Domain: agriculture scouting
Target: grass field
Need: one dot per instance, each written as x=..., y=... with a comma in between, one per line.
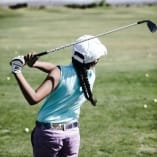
x=124, y=123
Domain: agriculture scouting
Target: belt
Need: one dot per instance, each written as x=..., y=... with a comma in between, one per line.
x=56, y=126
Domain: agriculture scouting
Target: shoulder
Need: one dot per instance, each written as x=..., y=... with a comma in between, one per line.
x=55, y=74
x=55, y=71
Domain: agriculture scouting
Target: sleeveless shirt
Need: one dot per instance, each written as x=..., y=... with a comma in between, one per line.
x=63, y=104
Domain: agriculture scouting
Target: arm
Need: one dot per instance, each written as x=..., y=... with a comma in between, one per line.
x=31, y=95
x=34, y=96
x=44, y=66
x=31, y=61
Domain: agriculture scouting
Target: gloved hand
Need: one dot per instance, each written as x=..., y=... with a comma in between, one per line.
x=30, y=59
x=17, y=64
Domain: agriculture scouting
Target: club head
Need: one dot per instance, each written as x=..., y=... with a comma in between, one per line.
x=151, y=26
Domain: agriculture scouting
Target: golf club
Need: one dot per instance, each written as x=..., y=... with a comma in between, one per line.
x=151, y=26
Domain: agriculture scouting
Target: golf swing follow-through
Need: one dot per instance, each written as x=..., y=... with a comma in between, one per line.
x=64, y=90
x=151, y=27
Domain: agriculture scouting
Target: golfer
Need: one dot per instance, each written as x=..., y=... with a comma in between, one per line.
x=65, y=89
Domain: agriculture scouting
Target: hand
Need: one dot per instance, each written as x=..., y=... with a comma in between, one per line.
x=17, y=64
x=30, y=59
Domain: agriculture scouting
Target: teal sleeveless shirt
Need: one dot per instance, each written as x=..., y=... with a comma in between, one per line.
x=63, y=104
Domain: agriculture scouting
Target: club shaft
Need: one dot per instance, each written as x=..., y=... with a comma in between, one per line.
x=74, y=43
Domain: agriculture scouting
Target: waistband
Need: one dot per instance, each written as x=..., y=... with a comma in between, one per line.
x=56, y=126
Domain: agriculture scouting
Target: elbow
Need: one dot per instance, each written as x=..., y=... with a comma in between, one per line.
x=32, y=101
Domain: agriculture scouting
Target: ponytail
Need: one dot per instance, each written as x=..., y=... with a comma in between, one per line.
x=81, y=70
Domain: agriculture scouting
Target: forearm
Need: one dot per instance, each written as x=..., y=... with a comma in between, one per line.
x=44, y=66
x=28, y=92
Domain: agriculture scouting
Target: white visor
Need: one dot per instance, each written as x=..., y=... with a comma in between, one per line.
x=88, y=51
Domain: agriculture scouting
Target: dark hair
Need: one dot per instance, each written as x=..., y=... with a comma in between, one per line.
x=81, y=70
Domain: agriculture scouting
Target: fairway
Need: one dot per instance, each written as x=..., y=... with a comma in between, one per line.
x=124, y=122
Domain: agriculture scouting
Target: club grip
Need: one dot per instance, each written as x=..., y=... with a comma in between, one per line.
x=42, y=53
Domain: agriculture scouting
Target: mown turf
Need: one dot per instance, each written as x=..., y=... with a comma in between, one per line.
x=124, y=123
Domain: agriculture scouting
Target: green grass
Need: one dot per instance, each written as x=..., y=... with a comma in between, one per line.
x=126, y=79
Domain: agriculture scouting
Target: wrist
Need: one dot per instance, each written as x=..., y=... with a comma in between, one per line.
x=17, y=72
x=35, y=64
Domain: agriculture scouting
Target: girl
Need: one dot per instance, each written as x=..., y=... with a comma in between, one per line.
x=65, y=89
